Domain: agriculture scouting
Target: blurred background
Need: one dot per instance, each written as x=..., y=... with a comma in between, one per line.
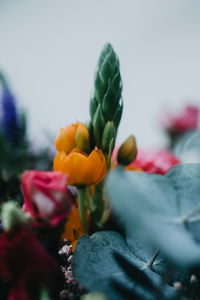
x=49, y=50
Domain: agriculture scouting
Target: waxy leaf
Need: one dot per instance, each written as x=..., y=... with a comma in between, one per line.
x=162, y=210
x=187, y=148
x=101, y=262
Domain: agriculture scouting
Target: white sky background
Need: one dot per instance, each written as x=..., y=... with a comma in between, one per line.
x=49, y=50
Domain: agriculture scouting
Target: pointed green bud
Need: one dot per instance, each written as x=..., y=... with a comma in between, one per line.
x=127, y=151
x=109, y=133
x=98, y=126
x=94, y=296
x=109, y=103
x=93, y=107
x=108, y=85
x=118, y=114
x=91, y=132
x=12, y=215
x=100, y=87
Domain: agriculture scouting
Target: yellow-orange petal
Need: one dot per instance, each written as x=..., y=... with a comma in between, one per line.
x=65, y=140
x=58, y=161
x=74, y=166
x=131, y=167
x=74, y=228
x=96, y=167
x=81, y=168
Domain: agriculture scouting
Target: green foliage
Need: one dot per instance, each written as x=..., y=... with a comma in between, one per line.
x=106, y=103
x=104, y=263
x=162, y=210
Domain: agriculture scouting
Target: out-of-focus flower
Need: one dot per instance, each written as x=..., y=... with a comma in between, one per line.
x=10, y=118
x=159, y=162
x=187, y=119
x=47, y=199
x=74, y=135
x=26, y=265
x=73, y=228
x=82, y=169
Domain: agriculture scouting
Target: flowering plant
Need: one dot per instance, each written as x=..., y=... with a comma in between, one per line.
x=107, y=222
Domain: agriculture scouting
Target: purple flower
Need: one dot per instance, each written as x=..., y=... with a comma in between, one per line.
x=10, y=120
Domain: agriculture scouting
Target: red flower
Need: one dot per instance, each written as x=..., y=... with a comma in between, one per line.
x=26, y=265
x=187, y=120
x=158, y=163
x=47, y=199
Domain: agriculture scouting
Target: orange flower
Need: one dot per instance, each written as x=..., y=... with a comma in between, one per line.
x=72, y=136
x=73, y=228
x=65, y=140
x=82, y=169
x=131, y=167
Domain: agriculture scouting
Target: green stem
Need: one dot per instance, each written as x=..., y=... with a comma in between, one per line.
x=98, y=195
x=90, y=203
x=81, y=200
x=98, y=203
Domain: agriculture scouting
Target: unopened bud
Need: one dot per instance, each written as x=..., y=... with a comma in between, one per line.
x=128, y=151
x=98, y=125
x=94, y=296
x=109, y=133
x=12, y=215
x=83, y=138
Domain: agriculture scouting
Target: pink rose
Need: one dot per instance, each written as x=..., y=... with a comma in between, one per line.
x=188, y=119
x=47, y=198
x=159, y=162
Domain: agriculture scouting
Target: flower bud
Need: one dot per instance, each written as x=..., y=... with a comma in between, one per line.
x=83, y=138
x=12, y=215
x=94, y=296
x=93, y=107
x=65, y=140
x=128, y=151
x=98, y=125
x=109, y=133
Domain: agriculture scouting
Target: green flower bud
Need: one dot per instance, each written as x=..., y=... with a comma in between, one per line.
x=108, y=85
x=94, y=296
x=109, y=133
x=109, y=103
x=118, y=114
x=128, y=151
x=91, y=132
x=93, y=107
x=12, y=215
x=98, y=126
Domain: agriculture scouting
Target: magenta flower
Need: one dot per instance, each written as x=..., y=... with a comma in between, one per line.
x=47, y=198
x=187, y=119
x=158, y=163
